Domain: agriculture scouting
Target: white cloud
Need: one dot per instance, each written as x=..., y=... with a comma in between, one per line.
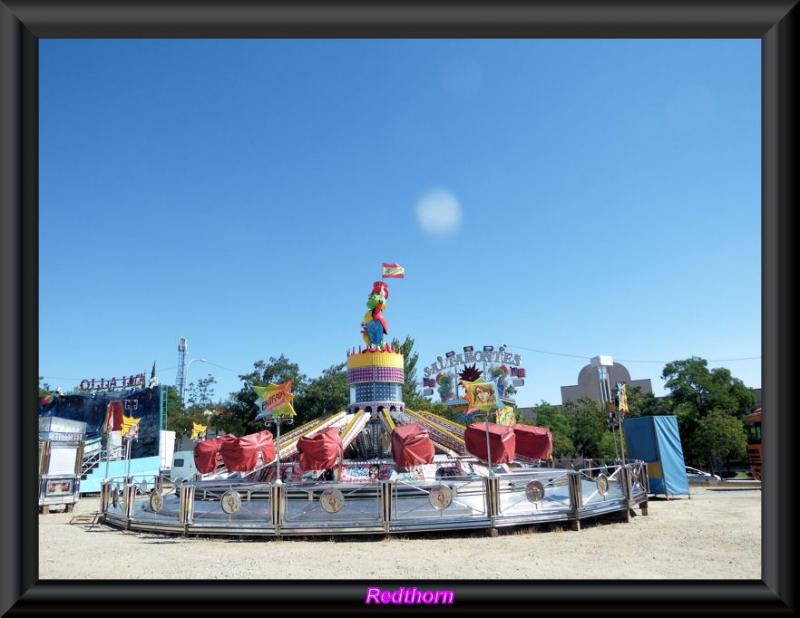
x=439, y=212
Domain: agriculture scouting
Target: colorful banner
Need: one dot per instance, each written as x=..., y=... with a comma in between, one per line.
x=481, y=396
x=622, y=393
x=274, y=399
x=393, y=271
x=505, y=416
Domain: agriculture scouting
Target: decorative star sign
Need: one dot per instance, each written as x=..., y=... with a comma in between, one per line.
x=274, y=399
x=197, y=430
x=482, y=396
x=130, y=426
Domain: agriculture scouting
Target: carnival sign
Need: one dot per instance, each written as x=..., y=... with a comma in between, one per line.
x=112, y=384
x=498, y=367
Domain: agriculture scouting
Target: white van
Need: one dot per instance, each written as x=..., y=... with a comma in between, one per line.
x=183, y=467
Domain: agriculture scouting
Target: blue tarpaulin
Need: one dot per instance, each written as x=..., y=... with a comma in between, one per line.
x=656, y=441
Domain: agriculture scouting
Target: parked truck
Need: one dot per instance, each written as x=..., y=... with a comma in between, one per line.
x=61, y=444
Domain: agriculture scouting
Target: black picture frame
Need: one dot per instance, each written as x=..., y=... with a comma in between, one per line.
x=24, y=22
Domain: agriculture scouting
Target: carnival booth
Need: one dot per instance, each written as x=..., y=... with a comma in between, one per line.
x=61, y=444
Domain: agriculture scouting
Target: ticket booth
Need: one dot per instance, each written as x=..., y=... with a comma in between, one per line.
x=61, y=445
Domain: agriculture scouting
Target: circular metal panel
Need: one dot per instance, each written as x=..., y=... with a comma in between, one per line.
x=231, y=502
x=534, y=491
x=441, y=496
x=602, y=484
x=156, y=501
x=331, y=500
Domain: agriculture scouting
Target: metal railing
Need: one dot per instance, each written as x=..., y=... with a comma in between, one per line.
x=93, y=460
x=520, y=497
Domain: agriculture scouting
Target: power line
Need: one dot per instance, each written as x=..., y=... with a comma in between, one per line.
x=621, y=360
x=628, y=360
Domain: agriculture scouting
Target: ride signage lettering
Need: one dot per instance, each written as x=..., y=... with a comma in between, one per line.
x=473, y=356
x=113, y=383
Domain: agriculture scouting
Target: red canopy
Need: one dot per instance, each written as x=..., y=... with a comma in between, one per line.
x=241, y=455
x=205, y=453
x=411, y=445
x=533, y=442
x=321, y=450
x=501, y=442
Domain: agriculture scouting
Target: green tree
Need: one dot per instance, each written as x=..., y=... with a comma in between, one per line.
x=645, y=404
x=718, y=436
x=239, y=414
x=695, y=391
x=324, y=396
x=693, y=386
x=173, y=410
x=439, y=408
x=198, y=408
x=200, y=395
x=412, y=398
x=556, y=421
x=589, y=429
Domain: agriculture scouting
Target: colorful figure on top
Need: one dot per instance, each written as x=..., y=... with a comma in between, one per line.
x=373, y=328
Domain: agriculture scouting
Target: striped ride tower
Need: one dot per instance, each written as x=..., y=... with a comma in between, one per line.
x=376, y=379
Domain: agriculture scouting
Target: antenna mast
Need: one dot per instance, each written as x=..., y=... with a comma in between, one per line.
x=180, y=380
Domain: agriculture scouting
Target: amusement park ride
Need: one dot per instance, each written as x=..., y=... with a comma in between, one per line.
x=376, y=467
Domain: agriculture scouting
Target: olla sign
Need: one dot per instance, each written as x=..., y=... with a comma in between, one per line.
x=112, y=383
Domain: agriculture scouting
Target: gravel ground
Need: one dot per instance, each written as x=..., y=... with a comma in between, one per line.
x=714, y=533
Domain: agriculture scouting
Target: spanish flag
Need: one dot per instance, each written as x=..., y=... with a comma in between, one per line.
x=393, y=271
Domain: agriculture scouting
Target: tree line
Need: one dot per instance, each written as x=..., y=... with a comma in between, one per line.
x=710, y=406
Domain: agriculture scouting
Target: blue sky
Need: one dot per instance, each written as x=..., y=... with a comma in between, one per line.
x=568, y=198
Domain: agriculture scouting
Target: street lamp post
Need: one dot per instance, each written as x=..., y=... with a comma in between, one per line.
x=185, y=373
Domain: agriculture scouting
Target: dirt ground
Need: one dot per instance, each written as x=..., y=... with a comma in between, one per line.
x=713, y=533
